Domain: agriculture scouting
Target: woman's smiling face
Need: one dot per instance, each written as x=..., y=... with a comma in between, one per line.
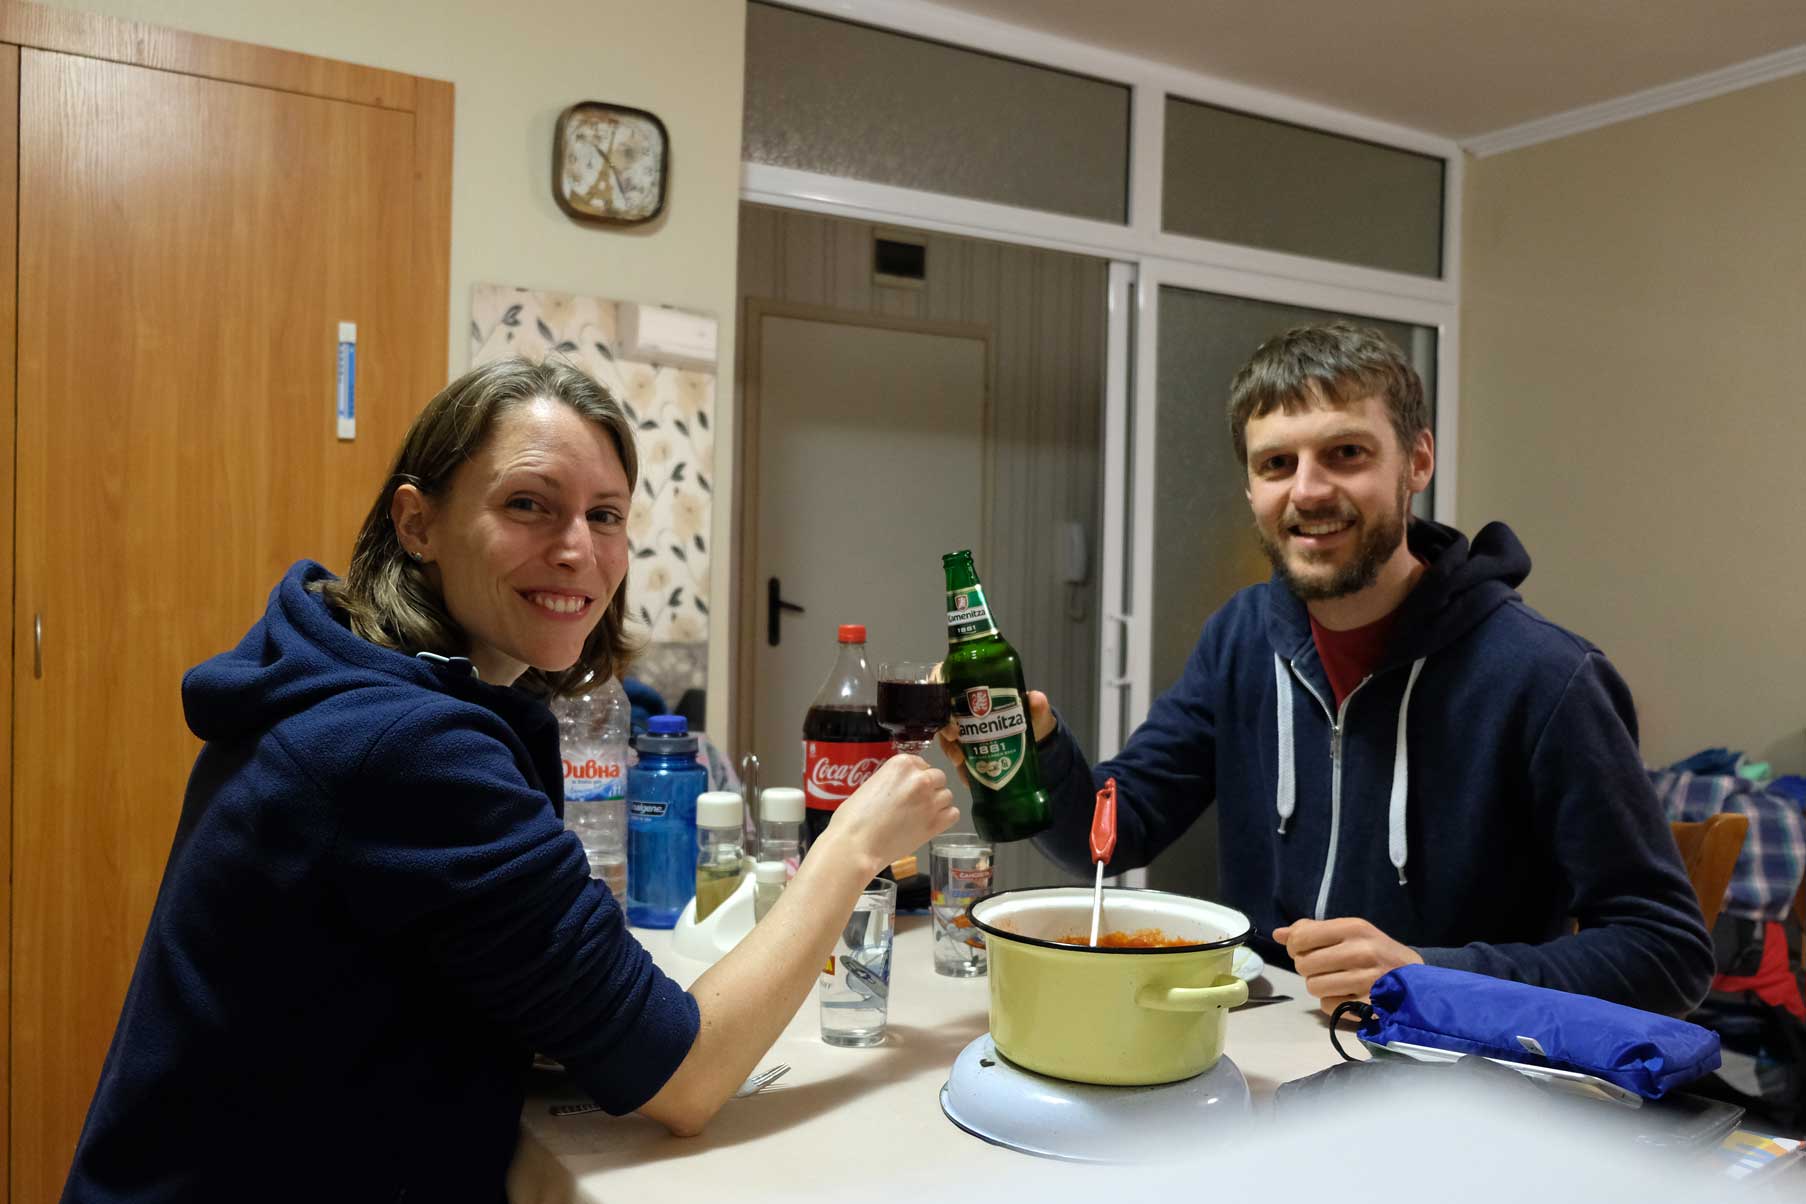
x=529, y=541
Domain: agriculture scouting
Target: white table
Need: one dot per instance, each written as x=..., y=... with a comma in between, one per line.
x=843, y=1115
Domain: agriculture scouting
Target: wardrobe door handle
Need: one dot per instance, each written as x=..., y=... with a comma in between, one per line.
x=37, y=646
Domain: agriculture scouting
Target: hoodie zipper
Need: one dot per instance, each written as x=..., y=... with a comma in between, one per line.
x=1337, y=719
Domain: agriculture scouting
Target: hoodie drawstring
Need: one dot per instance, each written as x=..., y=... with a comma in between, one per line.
x=1288, y=781
x=1286, y=794
x=1401, y=781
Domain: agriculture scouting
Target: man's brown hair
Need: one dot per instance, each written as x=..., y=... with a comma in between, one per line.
x=1337, y=362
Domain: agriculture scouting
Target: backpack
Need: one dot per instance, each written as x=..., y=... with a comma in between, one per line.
x=1763, y=1052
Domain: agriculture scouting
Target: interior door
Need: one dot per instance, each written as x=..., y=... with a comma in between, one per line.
x=188, y=248
x=857, y=503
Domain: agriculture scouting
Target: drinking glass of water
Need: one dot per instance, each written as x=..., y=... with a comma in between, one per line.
x=959, y=873
x=855, y=984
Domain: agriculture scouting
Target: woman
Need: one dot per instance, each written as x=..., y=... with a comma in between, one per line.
x=372, y=915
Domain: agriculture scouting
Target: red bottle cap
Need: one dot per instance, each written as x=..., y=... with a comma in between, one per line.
x=852, y=633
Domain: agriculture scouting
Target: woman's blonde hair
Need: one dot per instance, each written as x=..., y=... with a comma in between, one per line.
x=388, y=597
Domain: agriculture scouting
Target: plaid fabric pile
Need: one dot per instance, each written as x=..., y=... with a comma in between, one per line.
x=1774, y=852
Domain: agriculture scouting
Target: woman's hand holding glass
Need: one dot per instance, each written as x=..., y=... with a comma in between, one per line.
x=902, y=806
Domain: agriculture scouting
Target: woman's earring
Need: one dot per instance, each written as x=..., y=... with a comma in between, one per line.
x=418, y=558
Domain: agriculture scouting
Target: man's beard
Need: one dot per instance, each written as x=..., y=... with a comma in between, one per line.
x=1378, y=541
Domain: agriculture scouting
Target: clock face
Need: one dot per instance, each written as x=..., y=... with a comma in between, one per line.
x=611, y=163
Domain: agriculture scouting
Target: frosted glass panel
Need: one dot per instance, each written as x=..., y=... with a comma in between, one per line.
x=1262, y=183
x=849, y=100
x=1205, y=547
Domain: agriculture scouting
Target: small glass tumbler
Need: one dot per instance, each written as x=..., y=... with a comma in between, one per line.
x=959, y=872
x=855, y=984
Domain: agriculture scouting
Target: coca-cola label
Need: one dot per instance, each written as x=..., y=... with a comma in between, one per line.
x=993, y=734
x=832, y=770
x=968, y=618
x=591, y=779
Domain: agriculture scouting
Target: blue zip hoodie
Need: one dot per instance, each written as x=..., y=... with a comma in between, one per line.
x=371, y=918
x=1480, y=788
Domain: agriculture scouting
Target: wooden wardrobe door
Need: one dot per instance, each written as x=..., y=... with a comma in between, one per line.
x=187, y=250
x=9, y=291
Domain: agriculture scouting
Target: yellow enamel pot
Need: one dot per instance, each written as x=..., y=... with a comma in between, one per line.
x=1118, y=1016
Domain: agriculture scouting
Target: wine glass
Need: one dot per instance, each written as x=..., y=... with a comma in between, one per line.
x=913, y=703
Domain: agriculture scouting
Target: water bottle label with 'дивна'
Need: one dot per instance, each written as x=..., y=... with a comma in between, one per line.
x=592, y=779
x=993, y=734
x=968, y=617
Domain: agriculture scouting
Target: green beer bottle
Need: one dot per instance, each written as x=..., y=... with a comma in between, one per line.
x=990, y=704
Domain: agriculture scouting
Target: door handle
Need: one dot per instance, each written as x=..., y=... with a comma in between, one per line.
x=1121, y=681
x=775, y=605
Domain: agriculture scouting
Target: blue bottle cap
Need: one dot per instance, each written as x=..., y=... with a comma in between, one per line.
x=667, y=736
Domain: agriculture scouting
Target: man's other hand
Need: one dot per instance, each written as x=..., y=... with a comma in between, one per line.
x=1040, y=719
x=1341, y=959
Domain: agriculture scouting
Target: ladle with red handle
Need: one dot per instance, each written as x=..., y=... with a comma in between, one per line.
x=1103, y=847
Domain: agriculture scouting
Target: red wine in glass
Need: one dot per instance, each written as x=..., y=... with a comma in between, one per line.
x=913, y=703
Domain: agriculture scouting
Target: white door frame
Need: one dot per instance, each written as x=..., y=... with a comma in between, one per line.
x=1144, y=257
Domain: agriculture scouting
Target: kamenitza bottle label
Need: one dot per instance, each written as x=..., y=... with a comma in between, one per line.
x=968, y=618
x=993, y=734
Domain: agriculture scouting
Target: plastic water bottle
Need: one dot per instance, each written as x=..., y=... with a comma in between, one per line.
x=593, y=733
x=662, y=789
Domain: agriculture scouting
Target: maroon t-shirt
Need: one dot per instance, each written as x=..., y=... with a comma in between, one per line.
x=1349, y=656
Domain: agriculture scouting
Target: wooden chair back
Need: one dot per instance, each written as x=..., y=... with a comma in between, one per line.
x=1709, y=850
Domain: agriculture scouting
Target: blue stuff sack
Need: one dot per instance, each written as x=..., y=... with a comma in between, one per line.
x=1515, y=1022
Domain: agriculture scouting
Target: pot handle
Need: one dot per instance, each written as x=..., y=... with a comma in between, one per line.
x=1227, y=991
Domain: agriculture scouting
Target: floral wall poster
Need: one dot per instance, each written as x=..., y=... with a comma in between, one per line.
x=668, y=392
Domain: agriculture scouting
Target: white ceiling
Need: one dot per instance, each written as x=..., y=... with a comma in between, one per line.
x=1459, y=68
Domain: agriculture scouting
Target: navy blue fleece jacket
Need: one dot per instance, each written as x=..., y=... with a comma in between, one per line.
x=1478, y=790
x=371, y=918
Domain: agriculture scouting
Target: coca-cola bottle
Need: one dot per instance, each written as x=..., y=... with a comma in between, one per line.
x=843, y=744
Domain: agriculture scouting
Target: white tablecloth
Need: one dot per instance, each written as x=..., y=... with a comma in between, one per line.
x=843, y=1116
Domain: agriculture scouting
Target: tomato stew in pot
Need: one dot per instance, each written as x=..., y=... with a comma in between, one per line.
x=1141, y=938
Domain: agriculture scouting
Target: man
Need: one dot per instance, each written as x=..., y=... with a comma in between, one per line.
x=1410, y=764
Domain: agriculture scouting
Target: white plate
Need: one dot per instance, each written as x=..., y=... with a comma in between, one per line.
x=992, y=1098
x=1247, y=964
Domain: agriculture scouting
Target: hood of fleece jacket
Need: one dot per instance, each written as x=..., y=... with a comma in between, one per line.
x=299, y=655
x=1461, y=585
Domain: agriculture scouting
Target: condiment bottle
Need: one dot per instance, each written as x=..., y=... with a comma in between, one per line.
x=781, y=827
x=720, y=861
x=769, y=878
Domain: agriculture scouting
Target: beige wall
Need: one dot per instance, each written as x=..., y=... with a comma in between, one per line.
x=1633, y=321
x=516, y=67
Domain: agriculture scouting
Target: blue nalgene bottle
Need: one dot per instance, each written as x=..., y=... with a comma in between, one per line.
x=661, y=823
